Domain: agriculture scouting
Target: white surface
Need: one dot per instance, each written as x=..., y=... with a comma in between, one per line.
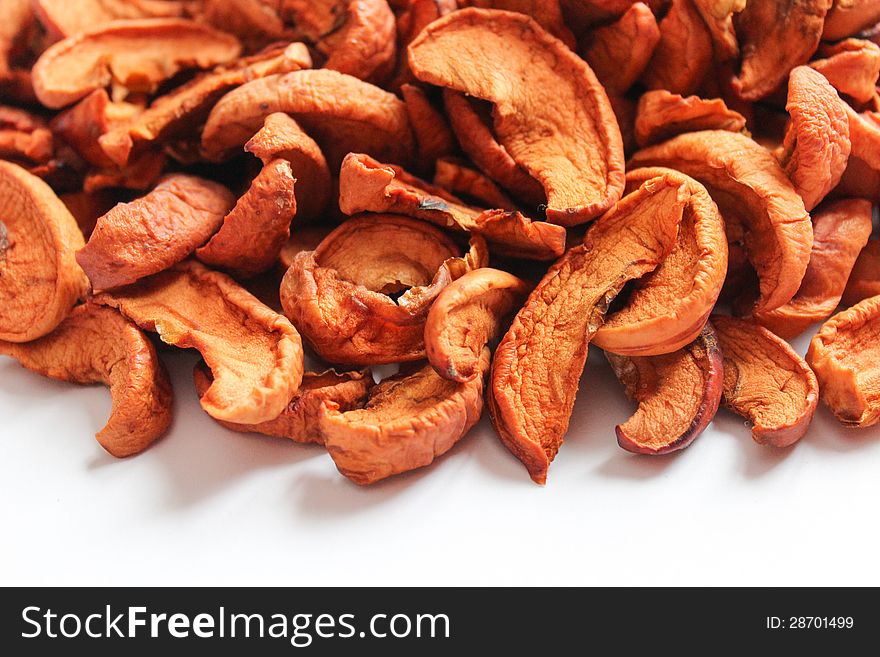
x=208, y=506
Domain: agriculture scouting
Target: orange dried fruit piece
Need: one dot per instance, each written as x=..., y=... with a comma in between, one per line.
x=677, y=393
x=366, y=185
x=18, y=16
x=467, y=182
x=539, y=362
x=303, y=238
x=817, y=143
x=668, y=307
x=864, y=281
x=766, y=382
x=718, y=16
x=343, y=114
x=409, y=420
x=411, y=18
x=256, y=229
x=471, y=122
x=254, y=354
x=24, y=136
x=300, y=420
x=341, y=295
x=282, y=138
x=39, y=278
x=775, y=36
x=840, y=231
x=135, y=55
x=845, y=354
x=97, y=345
x=154, y=232
x=618, y=53
x=662, y=115
x=547, y=13
x=62, y=18
x=182, y=110
x=683, y=56
x=851, y=66
x=848, y=17
x=468, y=314
x=746, y=181
x=568, y=140
x=432, y=132
x=142, y=173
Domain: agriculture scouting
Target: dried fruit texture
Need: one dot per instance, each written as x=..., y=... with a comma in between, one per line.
x=568, y=140
x=745, y=180
x=683, y=56
x=775, y=36
x=718, y=16
x=840, y=231
x=851, y=66
x=24, y=136
x=817, y=144
x=539, y=362
x=581, y=14
x=547, y=13
x=39, y=278
x=845, y=354
x=847, y=17
x=154, y=232
x=255, y=22
x=343, y=114
x=469, y=183
x=300, y=420
x=340, y=295
x=253, y=233
x=409, y=420
x=619, y=53
x=303, y=238
x=766, y=382
x=472, y=128
x=864, y=132
x=254, y=354
x=62, y=18
x=864, y=281
x=134, y=56
x=87, y=207
x=17, y=17
x=366, y=185
x=97, y=345
x=467, y=315
x=82, y=125
x=662, y=115
x=282, y=138
x=184, y=109
x=364, y=44
x=678, y=395
x=433, y=135
x=668, y=308
x=411, y=20
x=142, y=173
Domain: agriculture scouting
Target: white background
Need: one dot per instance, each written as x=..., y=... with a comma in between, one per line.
x=209, y=506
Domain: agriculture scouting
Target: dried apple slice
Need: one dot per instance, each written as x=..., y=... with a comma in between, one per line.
x=840, y=231
x=817, y=143
x=718, y=16
x=848, y=17
x=136, y=55
x=851, y=66
x=39, y=278
x=662, y=115
x=766, y=382
x=845, y=355
x=864, y=281
x=24, y=136
x=468, y=314
x=341, y=296
x=668, y=308
x=97, y=345
x=568, y=140
x=540, y=360
x=409, y=420
x=366, y=185
x=154, y=232
x=775, y=36
x=745, y=180
x=343, y=114
x=467, y=182
x=255, y=355
x=61, y=18
x=678, y=395
x=300, y=420
x=683, y=56
x=433, y=135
